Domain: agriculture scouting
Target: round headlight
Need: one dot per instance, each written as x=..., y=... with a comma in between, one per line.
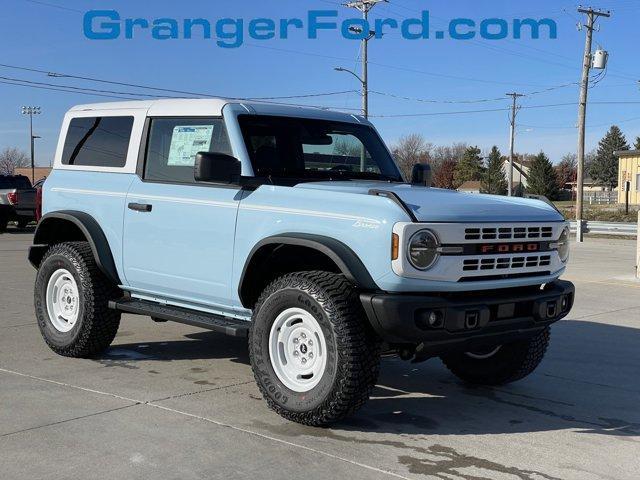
x=563, y=245
x=423, y=249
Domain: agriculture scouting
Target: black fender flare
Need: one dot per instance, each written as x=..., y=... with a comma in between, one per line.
x=48, y=233
x=342, y=255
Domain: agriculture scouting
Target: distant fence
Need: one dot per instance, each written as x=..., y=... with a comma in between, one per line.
x=607, y=228
x=600, y=198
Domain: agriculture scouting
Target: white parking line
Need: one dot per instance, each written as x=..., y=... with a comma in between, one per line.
x=212, y=421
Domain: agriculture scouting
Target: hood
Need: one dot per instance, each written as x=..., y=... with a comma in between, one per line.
x=438, y=205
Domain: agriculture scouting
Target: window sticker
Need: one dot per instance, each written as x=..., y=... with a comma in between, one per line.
x=186, y=141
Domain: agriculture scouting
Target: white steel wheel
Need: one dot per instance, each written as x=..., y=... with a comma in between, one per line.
x=63, y=300
x=297, y=349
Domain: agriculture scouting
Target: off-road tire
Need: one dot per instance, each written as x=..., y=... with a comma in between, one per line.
x=511, y=363
x=353, y=348
x=97, y=324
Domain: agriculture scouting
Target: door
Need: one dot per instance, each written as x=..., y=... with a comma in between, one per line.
x=178, y=234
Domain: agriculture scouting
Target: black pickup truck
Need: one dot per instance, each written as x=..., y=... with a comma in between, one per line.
x=17, y=201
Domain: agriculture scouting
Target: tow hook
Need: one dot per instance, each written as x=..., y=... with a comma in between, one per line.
x=471, y=320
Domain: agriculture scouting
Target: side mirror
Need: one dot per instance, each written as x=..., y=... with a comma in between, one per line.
x=217, y=168
x=421, y=175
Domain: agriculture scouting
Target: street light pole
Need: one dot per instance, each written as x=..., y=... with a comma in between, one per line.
x=365, y=67
x=365, y=7
x=365, y=107
x=31, y=111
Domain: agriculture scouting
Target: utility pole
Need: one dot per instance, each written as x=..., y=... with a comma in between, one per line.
x=31, y=111
x=365, y=6
x=514, y=112
x=592, y=16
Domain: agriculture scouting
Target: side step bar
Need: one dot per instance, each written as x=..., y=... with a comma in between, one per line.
x=217, y=323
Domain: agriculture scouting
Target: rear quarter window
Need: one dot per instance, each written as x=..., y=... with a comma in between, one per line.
x=98, y=141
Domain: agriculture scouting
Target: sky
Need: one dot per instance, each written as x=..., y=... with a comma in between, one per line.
x=458, y=75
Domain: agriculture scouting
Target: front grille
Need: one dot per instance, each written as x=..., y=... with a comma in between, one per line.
x=505, y=263
x=507, y=233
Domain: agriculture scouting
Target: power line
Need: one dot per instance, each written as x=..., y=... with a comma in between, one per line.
x=78, y=77
x=47, y=4
x=429, y=114
x=424, y=100
x=92, y=92
x=288, y=97
x=16, y=84
x=86, y=89
x=117, y=94
x=503, y=109
x=482, y=100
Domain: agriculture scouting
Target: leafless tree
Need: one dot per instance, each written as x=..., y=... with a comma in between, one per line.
x=12, y=158
x=411, y=149
x=447, y=153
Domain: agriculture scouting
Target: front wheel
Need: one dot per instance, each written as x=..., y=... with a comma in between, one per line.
x=499, y=364
x=71, y=301
x=313, y=355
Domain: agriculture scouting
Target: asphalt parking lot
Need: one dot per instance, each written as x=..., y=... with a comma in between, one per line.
x=168, y=401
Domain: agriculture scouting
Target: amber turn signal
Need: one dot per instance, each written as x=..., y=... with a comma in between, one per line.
x=395, y=245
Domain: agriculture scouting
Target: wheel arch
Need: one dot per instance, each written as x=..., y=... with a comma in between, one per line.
x=299, y=251
x=71, y=225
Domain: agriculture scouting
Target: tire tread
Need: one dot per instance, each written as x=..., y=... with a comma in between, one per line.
x=359, y=347
x=99, y=323
x=520, y=361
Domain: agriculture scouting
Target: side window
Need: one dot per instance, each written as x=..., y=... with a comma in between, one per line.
x=98, y=141
x=173, y=145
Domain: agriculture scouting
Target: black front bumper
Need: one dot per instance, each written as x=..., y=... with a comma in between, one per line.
x=467, y=320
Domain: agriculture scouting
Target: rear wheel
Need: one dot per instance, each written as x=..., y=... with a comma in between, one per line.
x=313, y=355
x=499, y=364
x=71, y=302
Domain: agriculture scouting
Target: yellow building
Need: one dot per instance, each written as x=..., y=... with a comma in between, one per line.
x=629, y=171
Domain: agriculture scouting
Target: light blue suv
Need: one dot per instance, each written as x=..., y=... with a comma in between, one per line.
x=293, y=227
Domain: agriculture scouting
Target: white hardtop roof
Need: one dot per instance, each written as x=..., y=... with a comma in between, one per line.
x=213, y=107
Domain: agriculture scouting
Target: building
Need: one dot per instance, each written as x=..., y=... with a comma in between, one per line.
x=470, y=186
x=589, y=185
x=520, y=171
x=473, y=186
x=629, y=171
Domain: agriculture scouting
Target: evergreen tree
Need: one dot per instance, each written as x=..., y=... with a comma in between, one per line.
x=542, y=177
x=604, y=169
x=469, y=167
x=636, y=146
x=493, y=179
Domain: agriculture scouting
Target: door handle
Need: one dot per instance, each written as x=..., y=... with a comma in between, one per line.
x=140, y=207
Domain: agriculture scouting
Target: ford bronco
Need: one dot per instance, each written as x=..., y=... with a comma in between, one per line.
x=295, y=228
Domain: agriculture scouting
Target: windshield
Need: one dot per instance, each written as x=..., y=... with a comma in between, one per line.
x=315, y=149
